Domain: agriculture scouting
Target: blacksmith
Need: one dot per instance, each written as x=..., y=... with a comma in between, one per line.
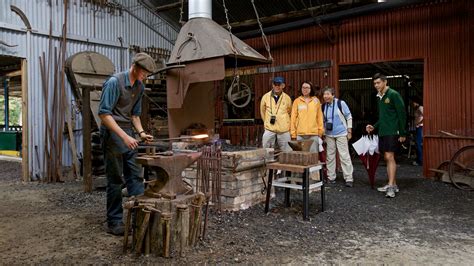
x=119, y=111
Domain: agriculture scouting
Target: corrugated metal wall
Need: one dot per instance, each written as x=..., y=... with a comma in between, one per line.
x=441, y=33
x=89, y=28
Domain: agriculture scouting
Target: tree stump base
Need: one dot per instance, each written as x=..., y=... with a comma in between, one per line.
x=162, y=226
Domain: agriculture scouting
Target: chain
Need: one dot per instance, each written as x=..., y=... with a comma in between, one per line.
x=181, y=12
x=229, y=28
x=264, y=37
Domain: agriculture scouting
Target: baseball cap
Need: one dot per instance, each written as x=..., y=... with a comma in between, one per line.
x=278, y=80
x=145, y=61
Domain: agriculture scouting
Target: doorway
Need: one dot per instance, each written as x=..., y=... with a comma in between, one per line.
x=357, y=90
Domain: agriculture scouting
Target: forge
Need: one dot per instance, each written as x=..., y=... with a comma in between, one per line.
x=205, y=49
x=169, y=214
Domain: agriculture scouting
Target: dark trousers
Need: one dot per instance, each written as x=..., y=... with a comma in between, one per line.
x=419, y=145
x=119, y=160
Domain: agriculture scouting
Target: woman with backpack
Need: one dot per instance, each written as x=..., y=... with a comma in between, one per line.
x=338, y=130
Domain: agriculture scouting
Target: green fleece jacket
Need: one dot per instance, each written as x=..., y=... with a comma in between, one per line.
x=392, y=114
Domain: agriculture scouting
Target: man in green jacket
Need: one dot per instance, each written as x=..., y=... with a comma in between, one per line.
x=391, y=127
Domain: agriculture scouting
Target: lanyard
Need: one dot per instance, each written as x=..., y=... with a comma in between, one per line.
x=278, y=106
x=326, y=112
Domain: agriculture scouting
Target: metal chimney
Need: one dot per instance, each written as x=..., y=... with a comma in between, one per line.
x=200, y=9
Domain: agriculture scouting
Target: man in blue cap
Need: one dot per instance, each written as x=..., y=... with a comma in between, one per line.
x=275, y=110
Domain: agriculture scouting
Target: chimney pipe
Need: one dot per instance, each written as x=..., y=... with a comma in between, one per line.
x=200, y=9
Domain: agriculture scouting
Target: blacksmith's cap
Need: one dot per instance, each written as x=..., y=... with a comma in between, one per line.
x=145, y=61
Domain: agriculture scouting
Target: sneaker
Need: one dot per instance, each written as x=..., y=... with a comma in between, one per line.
x=116, y=229
x=331, y=182
x=384, y=188
x=390, y=192
x=415, y=164
x=349, y=184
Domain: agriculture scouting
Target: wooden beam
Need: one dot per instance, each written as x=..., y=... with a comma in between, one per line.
x=86, y=142
x=24, y=118
x=276, y=18
x=283, y=68
x=167, y=7
x=14, y=73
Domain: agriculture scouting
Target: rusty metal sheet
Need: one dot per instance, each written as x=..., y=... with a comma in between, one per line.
x=198, y=107
x=439, y=32
x=202, y=38
x=89, y=69
x=178, y=80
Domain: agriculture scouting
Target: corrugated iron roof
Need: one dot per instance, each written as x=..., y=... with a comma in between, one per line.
x=275, y=11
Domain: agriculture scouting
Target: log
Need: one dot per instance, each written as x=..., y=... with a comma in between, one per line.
x=142, y=231
x=166, y=234
x=183, y=213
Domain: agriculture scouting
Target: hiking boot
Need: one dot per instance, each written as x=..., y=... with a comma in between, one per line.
x=390, y=192
x=115, y=229
x=384, y=188
x=349, y=184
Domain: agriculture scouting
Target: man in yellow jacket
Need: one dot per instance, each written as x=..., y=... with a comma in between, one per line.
x=275, y=109
x=307, y=117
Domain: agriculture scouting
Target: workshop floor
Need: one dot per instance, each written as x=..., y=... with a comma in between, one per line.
x=428, y=222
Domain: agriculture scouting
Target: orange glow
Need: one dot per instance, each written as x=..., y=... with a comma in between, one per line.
x=200, y=136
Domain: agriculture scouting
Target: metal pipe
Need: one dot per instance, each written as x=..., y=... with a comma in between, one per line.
x=200, y=9
x=5, y=91
x=336, y=16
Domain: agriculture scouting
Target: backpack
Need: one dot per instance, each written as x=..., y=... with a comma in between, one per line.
x=339, y=105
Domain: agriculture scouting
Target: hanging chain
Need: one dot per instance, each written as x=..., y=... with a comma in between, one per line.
x=264, y=37
x=229, y=28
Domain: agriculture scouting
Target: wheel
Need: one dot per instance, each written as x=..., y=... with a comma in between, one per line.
x=239, y=94
x=444, y=166
x=461, y=168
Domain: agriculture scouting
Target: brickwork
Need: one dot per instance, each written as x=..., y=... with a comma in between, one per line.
x=242, y=178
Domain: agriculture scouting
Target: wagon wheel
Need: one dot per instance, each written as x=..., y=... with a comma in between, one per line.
x=444, y=167
x=239, y=94
x=461, y=168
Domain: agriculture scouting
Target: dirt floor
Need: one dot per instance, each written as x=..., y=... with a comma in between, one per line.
x=428, y=222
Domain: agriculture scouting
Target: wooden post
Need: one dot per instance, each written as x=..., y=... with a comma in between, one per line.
x=127, y=228
x=24, y=117
x=142, y=231
x=183, y=223
x=86, y=135
x=166, y=234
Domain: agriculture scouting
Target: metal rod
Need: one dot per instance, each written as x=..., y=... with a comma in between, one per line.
x=5, y=90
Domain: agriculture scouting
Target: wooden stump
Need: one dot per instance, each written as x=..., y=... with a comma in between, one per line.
x=163, y=227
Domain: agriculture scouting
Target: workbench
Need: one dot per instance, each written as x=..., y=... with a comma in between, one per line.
x=305, y=186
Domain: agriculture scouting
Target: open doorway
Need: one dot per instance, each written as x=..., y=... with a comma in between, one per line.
x=356, y=88
x=11, y=122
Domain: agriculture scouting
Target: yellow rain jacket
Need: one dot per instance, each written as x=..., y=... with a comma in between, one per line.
x=280, y=109
x=306, y=118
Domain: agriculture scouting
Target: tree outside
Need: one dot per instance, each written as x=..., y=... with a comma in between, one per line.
x=15, y=111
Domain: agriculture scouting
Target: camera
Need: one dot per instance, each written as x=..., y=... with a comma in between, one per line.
x=272, y=119
x=328, y=126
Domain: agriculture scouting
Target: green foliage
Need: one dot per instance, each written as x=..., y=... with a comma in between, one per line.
x=15, y=111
